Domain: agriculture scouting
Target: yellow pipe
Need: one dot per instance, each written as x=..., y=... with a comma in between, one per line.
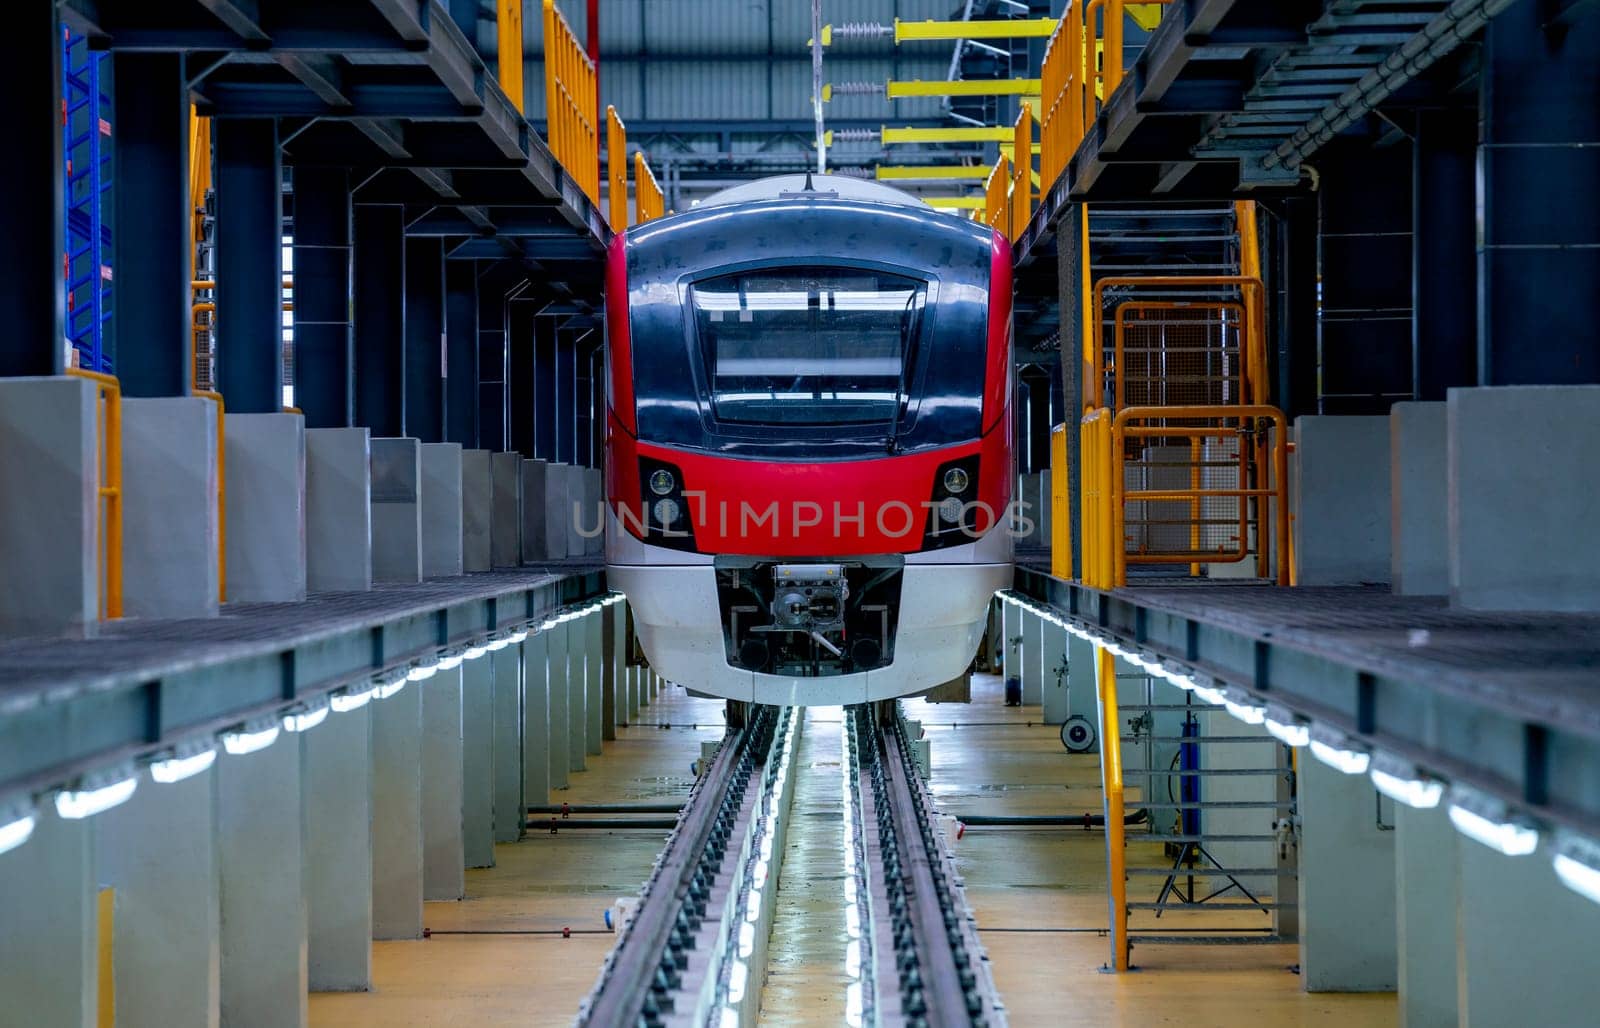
x=962, y=87
x=110, y=488
x=975, y=134
x=996, y=28
x=1111, y=783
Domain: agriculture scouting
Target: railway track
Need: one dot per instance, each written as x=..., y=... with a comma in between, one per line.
x=695, y=950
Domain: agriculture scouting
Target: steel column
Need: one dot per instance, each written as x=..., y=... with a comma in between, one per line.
x=1073, y=255
x=522, y=330
x=153, y=251
x=31, y=247
x=380, y=272
x=461, y=341
x=425, y=358
x=322, y=264
x=1539, y=248
x=249, y=265
x=1444, y=270
x=545, y=342
x=566, y=393
x=1295, y=319
x=494, y=283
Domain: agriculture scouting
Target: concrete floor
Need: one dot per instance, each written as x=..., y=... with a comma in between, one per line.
x=1038, y=893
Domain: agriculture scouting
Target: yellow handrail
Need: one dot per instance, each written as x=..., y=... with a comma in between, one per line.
x=617, y=169
x=508, y=41
x=1022, y=173
x=109, y=476
x=1105, y=667
x=569, y=81
x=648, y=199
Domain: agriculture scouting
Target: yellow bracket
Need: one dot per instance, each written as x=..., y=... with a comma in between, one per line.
x=961, y=87
x=998, y=28
x=971, y=203
x=984, y=134
x=932, y=171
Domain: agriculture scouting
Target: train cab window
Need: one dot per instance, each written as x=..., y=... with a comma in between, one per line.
x=808, y=346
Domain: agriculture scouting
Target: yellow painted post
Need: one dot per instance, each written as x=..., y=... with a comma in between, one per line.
x=508, y=41
x=109, y=474
x=552, y=95
x=1113, y=47
x=1080, y=42
x=617, y=169
x=1111, y=784
x=105, y=957
x=1060, y=514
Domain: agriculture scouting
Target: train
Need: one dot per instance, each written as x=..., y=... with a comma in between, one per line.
x=809, y=440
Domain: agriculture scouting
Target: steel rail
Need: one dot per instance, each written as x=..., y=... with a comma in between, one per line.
x=644, y=971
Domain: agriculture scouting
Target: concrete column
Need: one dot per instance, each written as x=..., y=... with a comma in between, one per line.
x=1525, y=941
x=594, y=682
x=560, y=700
x=626, y=675
x=1521, y=473
x=477, y=762
x=259, y=852
x=477, y=503
x=570, y=498
x=613, y=692
x=397, y=815
x=577, y=695
x=266, y=508
x=1419, y=558
x=1347, y=883
x=441, y=509
x=1056, y=699
x=1427, y=892
x=1341, y=484
x=509, y=808
x=48, y=967
x=169, y=507
x=505, y=524
x=336, y=767
x=538, y=725
x=1082, y=700
x=1032, y=657
x=49, y=513
x=591, y=520
x=396, y=510
x=443, y=862
x=159, y=851
x=338, y=510
x=1012, y=634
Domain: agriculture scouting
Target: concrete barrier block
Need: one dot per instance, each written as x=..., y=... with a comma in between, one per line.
x=266, y=507
x=543, y=539
x=338, y=509
x=49, y=512
x=1523, y=461
x=1419, y=560
x=396, y=510
x=477, y=503
x=441, y=509
x=1342, y=499
x=505, y=525
x=170, y=526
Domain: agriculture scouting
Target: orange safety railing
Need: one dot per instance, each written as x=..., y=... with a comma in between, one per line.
x=569, y=97
x=508, y=49
x=1098, y=538
x=997, y=195
x=108, y=475
x=616, y=169
x=647, y=199
x=1021, y=173
x=1083, y=66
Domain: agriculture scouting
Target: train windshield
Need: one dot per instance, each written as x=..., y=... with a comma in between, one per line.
x=808, y=346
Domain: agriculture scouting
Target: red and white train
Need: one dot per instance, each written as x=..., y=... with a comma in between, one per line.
x=809, y=440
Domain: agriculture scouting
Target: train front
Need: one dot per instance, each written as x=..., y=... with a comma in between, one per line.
x=809, y=456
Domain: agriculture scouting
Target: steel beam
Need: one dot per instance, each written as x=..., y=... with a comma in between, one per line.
x=152, y=249
x=249, y=231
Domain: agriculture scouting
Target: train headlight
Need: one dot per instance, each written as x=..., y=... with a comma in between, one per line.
x=666, y=511
x=950, y=510
x=956, y=481
x=662, y=483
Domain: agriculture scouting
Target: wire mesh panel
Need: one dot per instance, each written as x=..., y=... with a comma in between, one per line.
x=1177, y=354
